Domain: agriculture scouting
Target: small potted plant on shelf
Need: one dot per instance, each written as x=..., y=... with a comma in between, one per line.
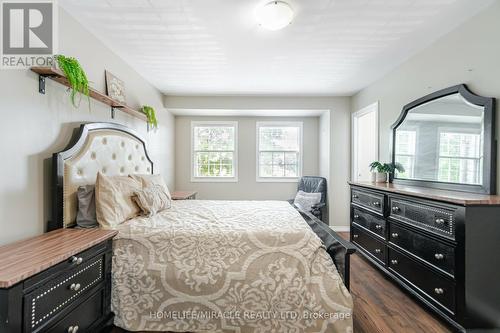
x=381, y=171
x=76, y=77
x=151, y=115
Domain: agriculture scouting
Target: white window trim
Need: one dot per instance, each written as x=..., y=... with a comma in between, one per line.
x=215, y=179
x=260, y=124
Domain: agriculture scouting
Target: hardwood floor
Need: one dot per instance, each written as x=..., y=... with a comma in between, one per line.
x=380, y=306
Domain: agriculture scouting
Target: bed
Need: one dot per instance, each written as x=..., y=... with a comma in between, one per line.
x=209, y=266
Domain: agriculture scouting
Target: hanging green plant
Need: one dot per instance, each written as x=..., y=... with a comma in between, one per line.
x=151, y=115
x=76, y=77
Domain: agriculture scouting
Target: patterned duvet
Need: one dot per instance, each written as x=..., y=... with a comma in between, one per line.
x=226, y=266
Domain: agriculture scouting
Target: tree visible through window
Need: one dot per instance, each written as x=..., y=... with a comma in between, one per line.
x=460, y=157
x=214, y=149
x=279, y=146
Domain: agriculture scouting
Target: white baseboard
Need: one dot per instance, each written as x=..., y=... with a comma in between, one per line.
x=340, y=228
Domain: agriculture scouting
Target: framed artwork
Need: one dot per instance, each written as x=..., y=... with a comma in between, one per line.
x=115, y=88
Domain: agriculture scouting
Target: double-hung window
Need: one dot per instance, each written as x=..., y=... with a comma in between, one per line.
x=214, y=151
x=279, y=151
x=405, y=151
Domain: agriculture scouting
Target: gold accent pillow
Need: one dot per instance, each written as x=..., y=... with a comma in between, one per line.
x=114, y=203
x=152, y=199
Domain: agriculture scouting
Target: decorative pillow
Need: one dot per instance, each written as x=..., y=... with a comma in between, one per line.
x=150, y=180
x=86, y=216
x=306, y=200
x=152, y=199
x=114, y=203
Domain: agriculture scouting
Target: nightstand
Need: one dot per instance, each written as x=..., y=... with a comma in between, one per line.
x=57, y=282
x=184, y=195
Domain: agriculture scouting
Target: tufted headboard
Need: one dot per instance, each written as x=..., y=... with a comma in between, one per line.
x=110, y=148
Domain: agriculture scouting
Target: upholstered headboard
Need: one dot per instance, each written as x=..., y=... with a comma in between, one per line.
x=112, y=149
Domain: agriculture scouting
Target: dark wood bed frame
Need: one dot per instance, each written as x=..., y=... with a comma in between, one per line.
x=338, y=248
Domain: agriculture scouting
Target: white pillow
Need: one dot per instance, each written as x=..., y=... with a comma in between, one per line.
x=305, y=200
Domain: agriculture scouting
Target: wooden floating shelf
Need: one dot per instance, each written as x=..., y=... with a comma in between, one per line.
x=58, y=76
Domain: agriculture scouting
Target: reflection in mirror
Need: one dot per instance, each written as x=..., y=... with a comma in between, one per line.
x=442, y=140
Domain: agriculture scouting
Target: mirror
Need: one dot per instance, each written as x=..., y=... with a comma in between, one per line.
x=444, y=140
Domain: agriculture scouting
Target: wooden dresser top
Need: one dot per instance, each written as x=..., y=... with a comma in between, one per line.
x=455, y=197
x=25, y=258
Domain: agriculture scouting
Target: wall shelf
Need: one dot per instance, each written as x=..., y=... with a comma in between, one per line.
x=58, y=76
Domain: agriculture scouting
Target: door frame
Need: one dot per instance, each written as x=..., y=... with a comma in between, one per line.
x=374, y=107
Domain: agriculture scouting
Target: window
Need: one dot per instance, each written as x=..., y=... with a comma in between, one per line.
x=279, y=155
x=214, y=151
x=405, y=151
x=460, y=159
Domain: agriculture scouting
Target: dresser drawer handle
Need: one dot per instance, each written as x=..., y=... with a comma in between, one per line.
x=439, y=256
x=394, y=235
x=356, y=216
x=73, y=329
x=394, y=262
x=76, y=260
x=438, y=291
x=355, y=196
x=378, y=226
x=355, y=236
x=376, y=203
x=75, y=286
x=439, y=221
x=378, y=250
x=395, y=209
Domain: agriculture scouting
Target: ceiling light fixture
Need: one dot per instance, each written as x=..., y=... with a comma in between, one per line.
x=274, y=15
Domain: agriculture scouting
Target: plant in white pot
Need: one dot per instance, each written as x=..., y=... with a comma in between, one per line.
x=382, y=171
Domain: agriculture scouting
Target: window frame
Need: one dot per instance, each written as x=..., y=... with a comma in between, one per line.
x=416, y=130
x=215, y=179
x=260, y=124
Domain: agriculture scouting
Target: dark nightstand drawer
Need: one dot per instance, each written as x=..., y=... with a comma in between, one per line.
x=369, y=200
x=50, y=299
x=83, y=316
x=432, y=251
x=374, y=247
x=435, y=286
x=434, y=218
x=371, y=222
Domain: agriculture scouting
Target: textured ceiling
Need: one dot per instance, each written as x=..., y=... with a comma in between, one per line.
x=215, y=47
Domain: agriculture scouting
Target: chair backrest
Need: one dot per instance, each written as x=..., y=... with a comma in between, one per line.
x=313, y=184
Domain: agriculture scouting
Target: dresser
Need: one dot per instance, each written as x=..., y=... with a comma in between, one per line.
x=442, y=247
x=57, y=282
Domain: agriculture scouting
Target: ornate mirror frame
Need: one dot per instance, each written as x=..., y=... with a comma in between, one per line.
x=490, y=148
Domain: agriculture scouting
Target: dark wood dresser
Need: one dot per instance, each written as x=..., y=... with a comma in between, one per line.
x=443, y=247
x=57, y=282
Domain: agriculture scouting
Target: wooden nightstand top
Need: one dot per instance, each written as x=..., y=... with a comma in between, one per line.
x=25, y=258
x=183, y=195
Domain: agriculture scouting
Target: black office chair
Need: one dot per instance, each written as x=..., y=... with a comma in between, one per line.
x=312, y=184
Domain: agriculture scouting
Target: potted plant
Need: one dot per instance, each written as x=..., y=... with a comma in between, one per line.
x=151, y=115
x=382, y=171
x=76, y=77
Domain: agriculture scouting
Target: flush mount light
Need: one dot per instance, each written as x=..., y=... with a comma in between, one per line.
x=274, y=15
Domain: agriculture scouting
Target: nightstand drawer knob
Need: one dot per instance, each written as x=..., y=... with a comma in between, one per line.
x=395, y=209
x=355, y=236
x=378, y=226
x=394, y=235
x=376, y=203
x=75, y=286
x=438, y=291
x=394, y=262
x=76, y=260
x=355, y=196
x=439, y=221
x=378, y=250
x=439, y=256
x=356, y=216
x=73, y=329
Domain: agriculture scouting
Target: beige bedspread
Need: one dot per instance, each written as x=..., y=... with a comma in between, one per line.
x=226, y=266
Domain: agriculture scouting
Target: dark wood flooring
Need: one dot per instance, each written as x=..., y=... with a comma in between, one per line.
x=381, y=306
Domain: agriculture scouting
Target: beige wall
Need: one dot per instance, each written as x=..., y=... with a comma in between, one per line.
x=339, y=121
x=34, y=126
x=247, y=188
x=470, y=54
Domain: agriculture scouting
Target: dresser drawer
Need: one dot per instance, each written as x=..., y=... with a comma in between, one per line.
x=83, y=316
x=434, y=218
x=432, y=251
x=433, y=285
x=50, y=299
x=371, y=222
x=368, y=243
x=369, y=200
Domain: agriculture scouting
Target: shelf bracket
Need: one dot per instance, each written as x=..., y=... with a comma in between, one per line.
x=41, y=84
x=112, y=113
